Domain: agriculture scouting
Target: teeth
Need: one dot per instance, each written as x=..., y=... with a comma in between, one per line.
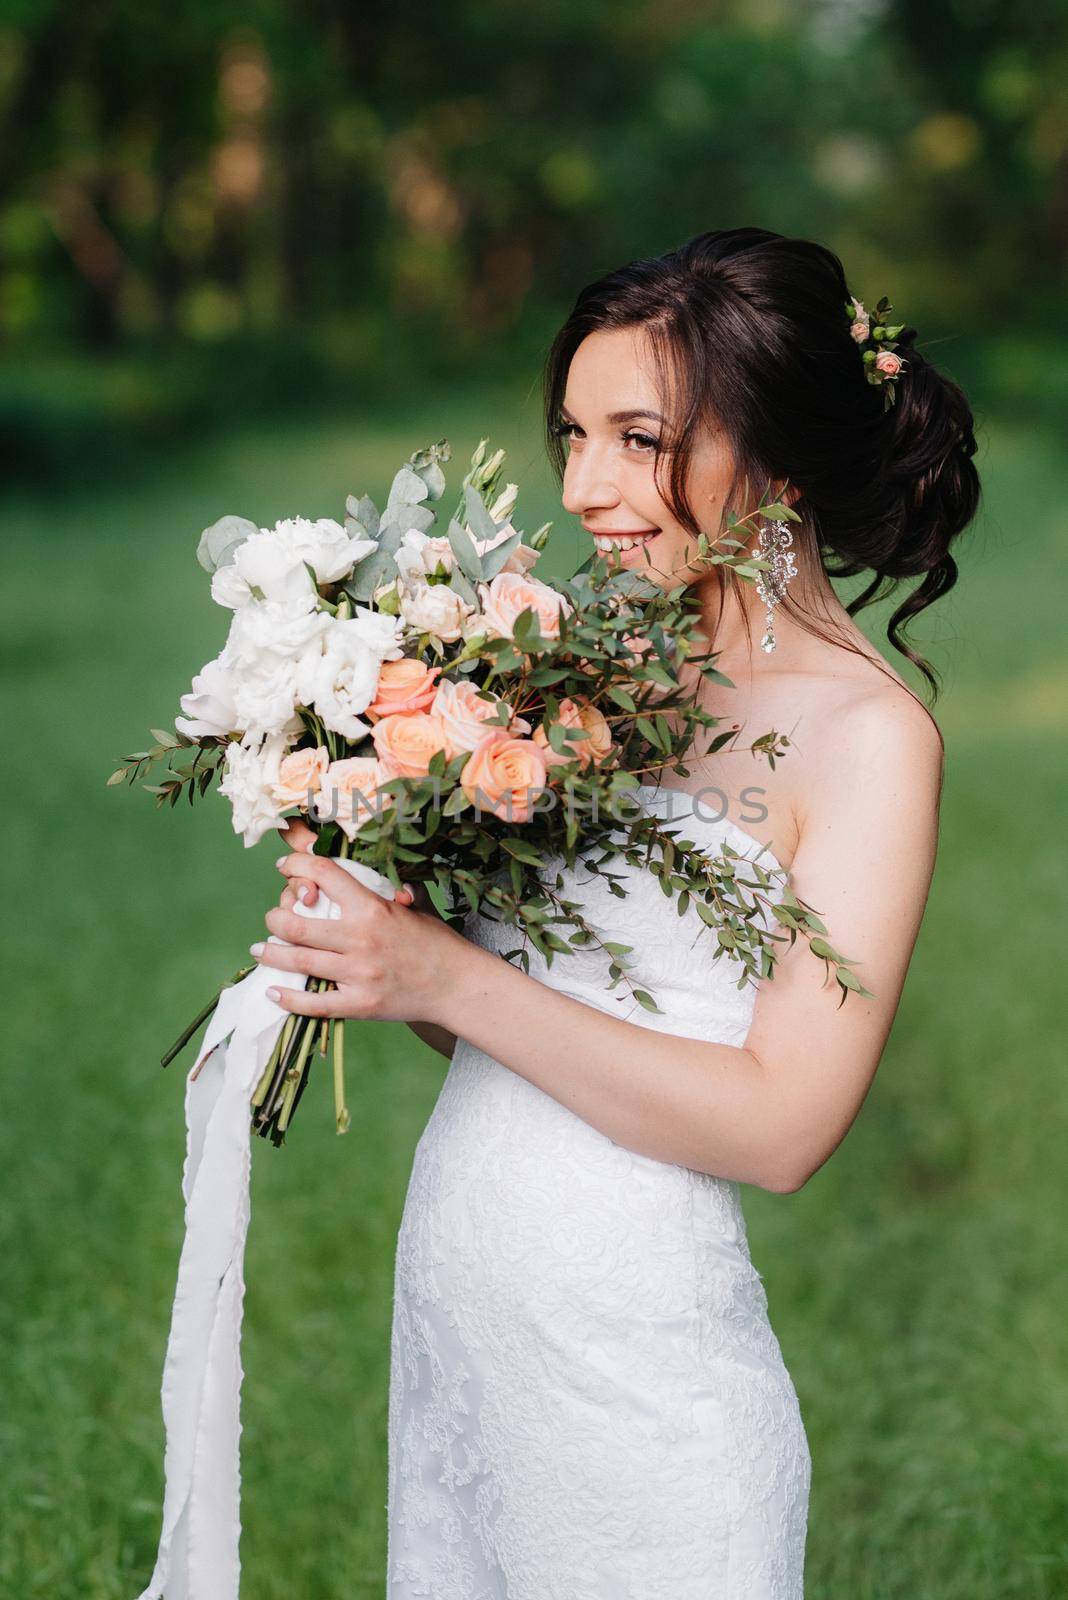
x=605, y=546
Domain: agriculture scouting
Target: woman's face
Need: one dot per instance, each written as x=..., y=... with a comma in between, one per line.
x=613, y=418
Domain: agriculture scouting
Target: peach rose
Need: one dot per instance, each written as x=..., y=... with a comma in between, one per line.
x=510, y=593
x=886, y=361
x=344, y=782
x=463, y=712
x=578, y=714
x=298, y=772
x=406, y=740
x=504, y=776
x=406, y=684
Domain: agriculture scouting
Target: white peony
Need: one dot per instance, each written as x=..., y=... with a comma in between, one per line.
x=270, y=564
x=251, y=771
x=210, y=706
x=324, y=544
x=436, y=609
x=266, y=699
x=275, y=629
x=341, y=681
x=262, y=569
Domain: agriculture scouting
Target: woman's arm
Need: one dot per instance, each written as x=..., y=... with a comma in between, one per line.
x=769, y=1113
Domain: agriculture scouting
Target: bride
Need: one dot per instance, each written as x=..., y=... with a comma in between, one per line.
x=587, y=1399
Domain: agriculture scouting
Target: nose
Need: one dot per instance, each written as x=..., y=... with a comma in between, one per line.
x=588, y=483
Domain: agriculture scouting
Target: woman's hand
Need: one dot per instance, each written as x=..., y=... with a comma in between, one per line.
x=390, y=960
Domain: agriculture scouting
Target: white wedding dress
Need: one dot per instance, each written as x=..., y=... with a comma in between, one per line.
x=587, y=1400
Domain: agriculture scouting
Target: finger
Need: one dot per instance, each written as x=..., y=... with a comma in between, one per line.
x=300, y=958
x=297, y=835
x=333, y=880
x=307, y=893
x=305, y=1002
x=317, y=933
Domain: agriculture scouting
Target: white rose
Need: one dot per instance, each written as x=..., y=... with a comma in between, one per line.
x=251, y=770
x=324, y=544
x=435, y=609
x=210, y=707
x=418, y=555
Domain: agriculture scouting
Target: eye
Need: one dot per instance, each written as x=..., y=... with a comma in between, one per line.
x=642, y=441
x=566, y=430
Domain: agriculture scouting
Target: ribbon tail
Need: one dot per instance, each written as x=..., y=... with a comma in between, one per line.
x=198, y=1555
x=198, y=1550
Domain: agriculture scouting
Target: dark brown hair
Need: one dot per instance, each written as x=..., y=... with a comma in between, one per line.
x=750, y=334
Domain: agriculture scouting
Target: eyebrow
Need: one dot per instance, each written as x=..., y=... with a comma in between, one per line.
x=619, y=416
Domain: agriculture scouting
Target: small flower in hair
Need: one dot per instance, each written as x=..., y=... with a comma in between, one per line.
x=881, y=365
x=861, y=327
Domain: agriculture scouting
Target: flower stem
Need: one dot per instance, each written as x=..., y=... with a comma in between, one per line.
x=341, y=1110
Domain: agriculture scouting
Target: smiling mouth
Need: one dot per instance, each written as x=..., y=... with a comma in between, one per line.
x=605, y=543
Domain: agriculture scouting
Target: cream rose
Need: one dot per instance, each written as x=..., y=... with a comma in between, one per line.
x=510, y=593
x=505, y=776
x=300, y=771
x=436, y=609
x=886, y=361
x=349, y=792
x=464, y=711
x=418, y=556
x=406, y=740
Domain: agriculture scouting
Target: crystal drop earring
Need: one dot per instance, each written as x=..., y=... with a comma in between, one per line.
x=774, y=545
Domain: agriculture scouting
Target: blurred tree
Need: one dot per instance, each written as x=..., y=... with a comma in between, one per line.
x=225, y=168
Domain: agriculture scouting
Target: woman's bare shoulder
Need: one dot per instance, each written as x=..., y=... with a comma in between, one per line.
x=873, y=728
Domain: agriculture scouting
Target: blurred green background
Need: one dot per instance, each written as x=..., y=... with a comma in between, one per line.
x=250, y=258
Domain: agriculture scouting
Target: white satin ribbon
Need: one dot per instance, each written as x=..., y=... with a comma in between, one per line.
x=198, y=1548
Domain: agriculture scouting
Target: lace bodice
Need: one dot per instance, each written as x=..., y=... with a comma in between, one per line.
x=587, y=1399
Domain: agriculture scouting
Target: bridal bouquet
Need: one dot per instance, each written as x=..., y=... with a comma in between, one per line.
x=441, y=715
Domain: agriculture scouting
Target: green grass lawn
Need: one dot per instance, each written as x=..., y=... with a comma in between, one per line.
x=917, y=1283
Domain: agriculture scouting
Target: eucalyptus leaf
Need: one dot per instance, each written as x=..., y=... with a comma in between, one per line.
x=365, y=512
x=219, y=542
x=407, y=489
x=494, y=560
x=479, y=520
x=463, y=548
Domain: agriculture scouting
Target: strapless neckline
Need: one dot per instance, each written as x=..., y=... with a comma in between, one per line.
x=714, y=822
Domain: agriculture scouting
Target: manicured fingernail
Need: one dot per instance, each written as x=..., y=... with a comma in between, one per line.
x=256, y=949
x=280, y=863
x=274, y=994
x=302, y=892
